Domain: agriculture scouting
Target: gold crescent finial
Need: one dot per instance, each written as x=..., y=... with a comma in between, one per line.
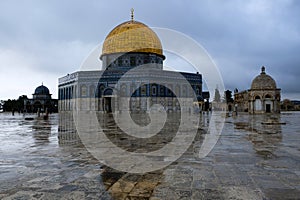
x=132, y=14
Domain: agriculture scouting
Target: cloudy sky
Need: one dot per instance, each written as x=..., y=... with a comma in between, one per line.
x=41, y=41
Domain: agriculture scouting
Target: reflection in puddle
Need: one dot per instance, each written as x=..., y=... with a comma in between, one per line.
x=41, y=131
x=264, y=135
x=265, y=145
x=134, y=144
x=121, y=185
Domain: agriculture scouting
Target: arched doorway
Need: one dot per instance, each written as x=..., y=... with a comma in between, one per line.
x=268, y=103
x=257, y=104
x=37, y=106
x=107, y=100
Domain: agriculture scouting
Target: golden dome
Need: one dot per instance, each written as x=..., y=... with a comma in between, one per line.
x=132, y=36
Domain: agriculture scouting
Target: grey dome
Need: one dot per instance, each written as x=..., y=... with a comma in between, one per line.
x=263, y=81
x=41, y=90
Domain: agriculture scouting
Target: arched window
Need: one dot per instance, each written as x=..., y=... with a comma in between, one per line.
x=132, y=61
x=133, y=91
x=60, y=96
x=143, y=89
x=177, y=90
x=67, y=93
x=154, y=89
x=197, y=90
x=123, y=90
x=100, y=90
x=146, y=60
x=108, y=92
x=184, y=91
x=170, y=88
x=126, y=62
x=162, y=91
x=92, y=91
x=75, y=92
x=72, y=92
x=83, y=91
x=120, y=62
x=64, y=93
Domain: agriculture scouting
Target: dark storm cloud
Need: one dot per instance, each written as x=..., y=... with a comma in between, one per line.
x=53, y=37
x=242, y=37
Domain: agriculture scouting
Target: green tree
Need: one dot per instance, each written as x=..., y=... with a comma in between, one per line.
x=287, y=104
x=7, y=106
x=20, y=102
x=16, y=105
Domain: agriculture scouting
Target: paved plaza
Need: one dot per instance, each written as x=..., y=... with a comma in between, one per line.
x=250, y=161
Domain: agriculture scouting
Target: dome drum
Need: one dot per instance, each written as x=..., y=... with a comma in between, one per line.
x=131, y=60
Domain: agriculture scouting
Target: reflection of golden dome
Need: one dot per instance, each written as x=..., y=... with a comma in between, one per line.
x=132, y=36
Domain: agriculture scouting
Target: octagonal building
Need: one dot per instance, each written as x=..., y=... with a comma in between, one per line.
x=132, y=76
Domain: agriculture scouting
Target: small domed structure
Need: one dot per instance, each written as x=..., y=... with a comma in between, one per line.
x=41, y=101
x=263, y=97
x=263, y=81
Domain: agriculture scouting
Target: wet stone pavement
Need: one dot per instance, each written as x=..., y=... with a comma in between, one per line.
x=250, y=161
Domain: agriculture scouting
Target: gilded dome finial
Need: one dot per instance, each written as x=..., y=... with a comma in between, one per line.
x=132, y=14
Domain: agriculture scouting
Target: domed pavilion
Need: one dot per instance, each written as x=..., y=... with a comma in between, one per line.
x=132, y=67
x=263, y=97
x=41, y=101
